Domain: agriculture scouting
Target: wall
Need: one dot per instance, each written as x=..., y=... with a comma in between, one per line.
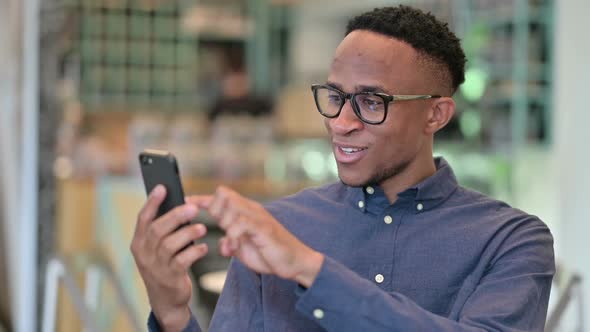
x=8, y=156
x=572, y=134
x=319, y=28
x=19, y=31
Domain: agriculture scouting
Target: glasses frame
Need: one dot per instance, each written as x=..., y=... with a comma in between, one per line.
x=387, y=99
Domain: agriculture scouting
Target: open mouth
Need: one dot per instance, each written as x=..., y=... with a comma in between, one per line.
x=351, y=150
x=349, y=154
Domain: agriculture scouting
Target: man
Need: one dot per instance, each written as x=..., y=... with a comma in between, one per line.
x=397, y=245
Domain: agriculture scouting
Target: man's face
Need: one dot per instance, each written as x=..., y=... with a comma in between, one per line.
x=367, y=153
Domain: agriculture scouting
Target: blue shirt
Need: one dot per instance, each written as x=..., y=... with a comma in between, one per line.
x=441, y=258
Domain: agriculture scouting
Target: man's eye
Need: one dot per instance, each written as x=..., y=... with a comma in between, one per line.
x=335, y=99
x=372, y=103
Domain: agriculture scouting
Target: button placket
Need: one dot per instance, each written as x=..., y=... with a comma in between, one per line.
x=392, y=218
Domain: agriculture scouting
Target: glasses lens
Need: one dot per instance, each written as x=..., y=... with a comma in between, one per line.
x=328, y=101
x=371, y=107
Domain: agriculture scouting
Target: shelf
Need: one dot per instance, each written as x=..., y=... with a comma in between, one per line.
x=501, y=17
x=535, y=71
x=219, y=38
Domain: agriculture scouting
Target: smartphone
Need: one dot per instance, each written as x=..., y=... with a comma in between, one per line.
x=160, y=167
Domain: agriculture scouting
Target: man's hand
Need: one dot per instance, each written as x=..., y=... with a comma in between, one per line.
x=157, y=248
x=257, y=239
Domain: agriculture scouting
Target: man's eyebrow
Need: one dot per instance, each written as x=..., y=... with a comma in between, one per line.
x=370, y=88
x=359, y=88
x=334, y=85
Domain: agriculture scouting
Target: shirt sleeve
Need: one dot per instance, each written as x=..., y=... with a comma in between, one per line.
x=511, y=296
x=239, y=307
x=154, y=325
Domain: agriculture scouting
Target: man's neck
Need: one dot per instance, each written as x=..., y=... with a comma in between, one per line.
x=419, y=169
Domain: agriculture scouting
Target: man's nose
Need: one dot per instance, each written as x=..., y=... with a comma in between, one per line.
x=347, y=121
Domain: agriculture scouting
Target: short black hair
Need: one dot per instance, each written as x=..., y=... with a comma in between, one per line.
x=424, y=32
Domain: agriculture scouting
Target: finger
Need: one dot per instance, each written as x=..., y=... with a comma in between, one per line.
x=150, y=209
x=235, y=245
x=236, y=232
x=237, y=229
x=244, y=206
x=218, y=204
x=232, y=201
x=225, y=247
x=229, y=216
x=202, y=201
x=172, y=244
x=169, y=222
x=187, y=257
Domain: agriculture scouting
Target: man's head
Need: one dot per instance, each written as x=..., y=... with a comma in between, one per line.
x=395, y=51
x=437, y=46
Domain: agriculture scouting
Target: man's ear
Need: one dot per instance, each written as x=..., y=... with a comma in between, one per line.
x=440, y=114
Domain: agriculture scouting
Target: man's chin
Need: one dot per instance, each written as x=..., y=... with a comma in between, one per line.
x=352, y=182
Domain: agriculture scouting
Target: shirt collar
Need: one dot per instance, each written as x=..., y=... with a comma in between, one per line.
x=432, y=190
x=439, y=185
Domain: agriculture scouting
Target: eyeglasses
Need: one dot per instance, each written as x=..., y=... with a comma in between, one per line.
x=370, y=107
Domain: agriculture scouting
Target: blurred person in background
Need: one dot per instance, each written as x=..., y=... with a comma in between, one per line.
x=396, y=245
x=237, y=121
x=237, y=99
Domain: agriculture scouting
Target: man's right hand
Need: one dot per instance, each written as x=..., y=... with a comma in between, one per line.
x=157, y=248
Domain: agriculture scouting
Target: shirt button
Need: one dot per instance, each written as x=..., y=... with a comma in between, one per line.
x=318, y=313
x=388, y=219
x=370, y=190
x=379, y=278
x=361, y=204
x=419, y=207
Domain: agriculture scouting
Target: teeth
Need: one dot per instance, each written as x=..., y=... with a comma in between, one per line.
x=350, y=150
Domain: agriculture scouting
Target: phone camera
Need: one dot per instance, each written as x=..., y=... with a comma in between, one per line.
x=146, y=160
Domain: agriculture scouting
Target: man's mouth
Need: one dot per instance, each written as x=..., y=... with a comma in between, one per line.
x=348, y=150
x=346, y=154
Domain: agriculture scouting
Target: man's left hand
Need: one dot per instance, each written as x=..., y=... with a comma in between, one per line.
x=257, y=239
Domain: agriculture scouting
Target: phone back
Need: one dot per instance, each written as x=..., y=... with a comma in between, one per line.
x=160, y=167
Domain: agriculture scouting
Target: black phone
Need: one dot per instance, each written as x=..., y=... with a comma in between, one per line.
x=160, y=167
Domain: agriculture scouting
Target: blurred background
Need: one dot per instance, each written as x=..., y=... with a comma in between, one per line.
x=85, y=85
